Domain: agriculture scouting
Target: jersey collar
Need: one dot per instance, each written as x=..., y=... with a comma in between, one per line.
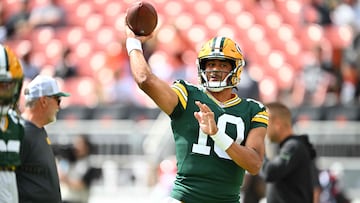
x=231, y=102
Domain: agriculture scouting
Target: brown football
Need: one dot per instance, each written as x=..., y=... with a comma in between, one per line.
x=142, y=18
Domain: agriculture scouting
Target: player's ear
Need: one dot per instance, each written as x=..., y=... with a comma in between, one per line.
x=43, y=101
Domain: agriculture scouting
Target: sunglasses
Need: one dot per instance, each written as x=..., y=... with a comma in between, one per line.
x=58, y=99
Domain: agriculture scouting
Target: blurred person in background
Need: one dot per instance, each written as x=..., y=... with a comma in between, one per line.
x=289, y=174
x=317, y=83
x=344, y=13
x=51, y=13
x=65, y=68
x=218, y=136
x=37, y=178
x=249, y=87
x=330, y=182
x=318, y=12
x=75, y=171
x=350, y=70
x=17, y=25
x=31, y=70
x=121, y=88
x=11, y=125
x=180, y=70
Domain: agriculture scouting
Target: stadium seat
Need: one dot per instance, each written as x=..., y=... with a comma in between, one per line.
x=83, y=10
x=230, y=9
x=103, y=37
x=294, y=54
x=290, y=11
x=244, y=21
x=171, y=8
x=93, y=23
x=112, y=10
x=83, y=91
x=83, y=52
x=285, y=76
x=311, y=35
x=71, y=35
x=40, y=37
x=339, y=36
x=53, y=51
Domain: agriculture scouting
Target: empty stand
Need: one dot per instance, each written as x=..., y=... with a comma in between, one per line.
x=74, y=113
x=83, y=91
x=109, y=112
x=305, y=113
x=342, y=113
x=143, y=113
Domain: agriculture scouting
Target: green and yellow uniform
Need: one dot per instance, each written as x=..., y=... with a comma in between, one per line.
x=11, y=134
x=205, y=172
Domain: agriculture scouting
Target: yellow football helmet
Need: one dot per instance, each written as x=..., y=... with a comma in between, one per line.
x=220, y=48
x=11, y=78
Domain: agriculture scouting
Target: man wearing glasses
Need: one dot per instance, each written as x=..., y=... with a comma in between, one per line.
x=37, y=178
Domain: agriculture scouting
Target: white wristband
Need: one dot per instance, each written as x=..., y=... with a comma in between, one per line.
x=222, y=140
x=132, y=44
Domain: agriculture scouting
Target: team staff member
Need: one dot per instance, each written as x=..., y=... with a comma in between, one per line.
x=11, y=126
x=290, y=173
x=217, y=134
x=37, y=179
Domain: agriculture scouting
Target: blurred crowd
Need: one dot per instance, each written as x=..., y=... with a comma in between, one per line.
x=302, y=52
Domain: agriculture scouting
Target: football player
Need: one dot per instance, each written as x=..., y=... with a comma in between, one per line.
x=11, y=126
x=217, y=134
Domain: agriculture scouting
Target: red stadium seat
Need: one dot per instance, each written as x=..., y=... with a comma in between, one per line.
x=82, y=12
x=311, y=35
x=339, y=36
x=40, y=37
x=290, y=11
x=112, y=10
x=83, y=92
x=93, y=23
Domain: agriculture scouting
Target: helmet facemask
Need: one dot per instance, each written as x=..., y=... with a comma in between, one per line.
x=230, y=78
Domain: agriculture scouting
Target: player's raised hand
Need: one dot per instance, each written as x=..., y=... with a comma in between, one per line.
x=206, y=120
x=130, y=34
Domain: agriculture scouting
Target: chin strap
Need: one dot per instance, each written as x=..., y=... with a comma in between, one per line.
x=216, y=86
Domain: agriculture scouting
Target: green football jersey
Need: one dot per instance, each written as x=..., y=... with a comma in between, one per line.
x=11, y=134
x=205, y=172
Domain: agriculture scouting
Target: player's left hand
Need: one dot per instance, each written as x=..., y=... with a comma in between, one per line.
x=206, y=120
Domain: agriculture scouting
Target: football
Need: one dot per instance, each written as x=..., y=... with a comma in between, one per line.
x=142, y=18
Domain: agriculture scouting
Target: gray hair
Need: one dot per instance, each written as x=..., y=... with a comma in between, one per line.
x=31, y=102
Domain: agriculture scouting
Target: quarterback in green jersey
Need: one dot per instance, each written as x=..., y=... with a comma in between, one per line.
x=11, y=125
x=218, y=136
